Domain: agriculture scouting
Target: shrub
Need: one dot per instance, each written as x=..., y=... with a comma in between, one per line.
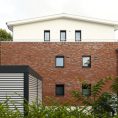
x=100, y=106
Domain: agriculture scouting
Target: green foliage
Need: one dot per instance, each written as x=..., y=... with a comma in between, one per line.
x=98, y=86
x=97, y=100
x=42, y=111
x=5, y=36
x=114, y=88
x=114, y=85
x=98, y=105
x=7, y=112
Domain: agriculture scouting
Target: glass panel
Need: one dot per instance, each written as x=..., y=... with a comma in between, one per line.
x=86, y=89
x=86, y=62
x=47, y=36
x=78, y=35
x=59, y=89
x=86, y=92
x=63, y=35
x=59, y=61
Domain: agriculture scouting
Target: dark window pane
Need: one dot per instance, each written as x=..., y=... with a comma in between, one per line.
x=63, y=35
x=60, y=90
x=46, y=35
x=78, y=35
x=86, y=89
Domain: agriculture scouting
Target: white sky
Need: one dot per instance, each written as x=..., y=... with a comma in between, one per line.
x=11, y=10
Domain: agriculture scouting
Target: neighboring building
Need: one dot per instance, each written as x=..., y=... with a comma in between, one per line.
x=63, y=27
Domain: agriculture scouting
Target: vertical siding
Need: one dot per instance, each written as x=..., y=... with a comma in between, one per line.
x=12, y=87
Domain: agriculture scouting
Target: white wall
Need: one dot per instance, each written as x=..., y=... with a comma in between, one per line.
x=90, y=31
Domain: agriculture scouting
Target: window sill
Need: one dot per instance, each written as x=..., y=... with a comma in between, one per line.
x=59, y=66
x=86, y=66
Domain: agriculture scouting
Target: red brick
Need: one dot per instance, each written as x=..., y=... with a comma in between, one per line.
x=41, y=57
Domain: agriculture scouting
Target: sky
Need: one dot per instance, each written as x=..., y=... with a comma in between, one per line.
x=11, y=10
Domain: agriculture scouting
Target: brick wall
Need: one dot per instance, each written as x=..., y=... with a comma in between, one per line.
x=41, y=57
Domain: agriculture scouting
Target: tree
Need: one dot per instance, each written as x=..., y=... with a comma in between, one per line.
x=114, y=88
x=98, y=100
x=5, y=36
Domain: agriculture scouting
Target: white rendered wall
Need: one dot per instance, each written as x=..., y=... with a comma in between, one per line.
x=34, y=32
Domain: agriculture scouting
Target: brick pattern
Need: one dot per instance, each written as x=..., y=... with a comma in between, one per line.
x=41, y=57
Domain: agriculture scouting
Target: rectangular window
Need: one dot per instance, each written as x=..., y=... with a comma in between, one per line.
x=86, y=89
x=59, y=61
x=59, y=90
x=63, y=35
x=86, y=61
x=47, y=35
x=78, y=35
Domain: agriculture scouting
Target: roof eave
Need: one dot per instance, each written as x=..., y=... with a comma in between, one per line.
x=115, y=27
x=68, y=16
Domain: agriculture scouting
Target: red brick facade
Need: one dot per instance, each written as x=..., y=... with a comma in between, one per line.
x=41, y=57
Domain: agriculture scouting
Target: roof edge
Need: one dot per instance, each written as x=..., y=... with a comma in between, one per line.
x=57, y=16
x=19, y=69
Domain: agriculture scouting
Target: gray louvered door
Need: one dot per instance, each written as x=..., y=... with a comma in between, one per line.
x=12, y=88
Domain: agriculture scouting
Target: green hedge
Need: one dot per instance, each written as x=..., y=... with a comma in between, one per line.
x=42, y=111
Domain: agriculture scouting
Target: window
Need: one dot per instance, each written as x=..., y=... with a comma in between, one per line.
x=60, y=90
x=59, y=61
x=77, y=35
x=86, y=89
x=86, y=61
x=63, y=35
x=47, y=35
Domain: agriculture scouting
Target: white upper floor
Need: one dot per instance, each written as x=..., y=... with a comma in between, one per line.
x=63, y=27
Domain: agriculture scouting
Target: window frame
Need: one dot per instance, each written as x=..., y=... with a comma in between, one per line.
x=62, y=85
x=59, y=56
x=49, y=35
x=80, y=35
x=90, y=61
x=65, y=35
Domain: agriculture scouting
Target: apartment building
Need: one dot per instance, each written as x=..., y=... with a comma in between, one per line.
x=63, y=49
